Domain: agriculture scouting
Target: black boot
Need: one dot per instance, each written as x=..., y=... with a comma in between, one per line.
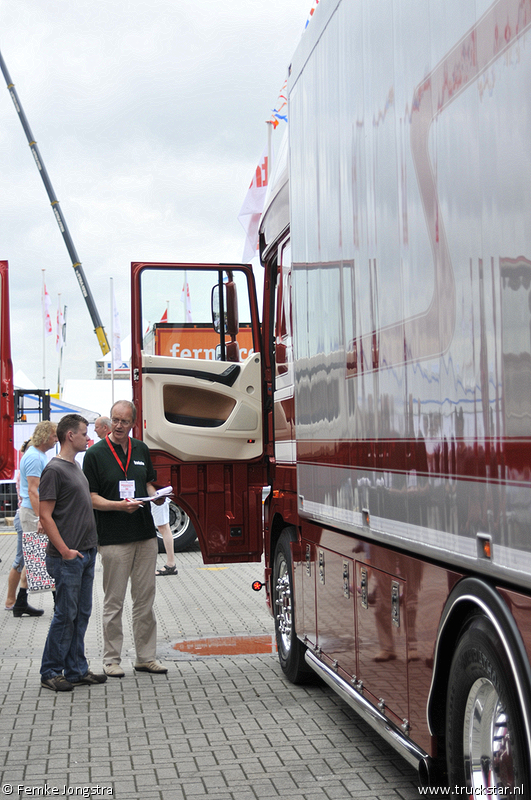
x=22, y=606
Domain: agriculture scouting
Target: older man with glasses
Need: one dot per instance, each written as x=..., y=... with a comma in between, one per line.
x=119, y=470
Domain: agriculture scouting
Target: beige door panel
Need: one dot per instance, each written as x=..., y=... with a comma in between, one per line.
x=202, y=410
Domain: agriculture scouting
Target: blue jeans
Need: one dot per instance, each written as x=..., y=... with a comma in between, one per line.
x=64, y=651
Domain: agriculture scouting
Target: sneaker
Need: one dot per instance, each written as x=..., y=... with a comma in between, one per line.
x=89, y=679
x=58, y=683
x=151, y=666
x=113, y=670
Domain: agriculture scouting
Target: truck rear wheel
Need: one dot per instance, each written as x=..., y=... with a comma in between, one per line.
x=290, y=648
x=485, y=736
x=182, y=530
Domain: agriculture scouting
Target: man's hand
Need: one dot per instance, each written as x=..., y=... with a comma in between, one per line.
x=130, y=505
x=70, y=555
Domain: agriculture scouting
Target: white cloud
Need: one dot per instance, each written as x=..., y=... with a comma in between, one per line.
x=150, y=120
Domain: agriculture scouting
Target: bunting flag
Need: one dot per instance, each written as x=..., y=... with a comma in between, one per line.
x=46, y=308
x=59, y=330
x=164, y=317
x=280, y=114
x=116, y=333
x=185, y=298
x=253, y=205
x=312, y=12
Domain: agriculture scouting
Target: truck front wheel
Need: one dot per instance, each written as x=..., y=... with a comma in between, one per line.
x=485, y=735
x=290, y=648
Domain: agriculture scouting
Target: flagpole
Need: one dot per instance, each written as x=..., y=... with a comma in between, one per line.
x=43, y=330
x=112, y=344
x=59, y=333
x=63, y=342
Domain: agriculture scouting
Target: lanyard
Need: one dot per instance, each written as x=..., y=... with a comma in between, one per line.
x=115, y=454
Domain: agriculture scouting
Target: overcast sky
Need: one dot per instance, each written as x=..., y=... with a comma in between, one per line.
x=150, y=119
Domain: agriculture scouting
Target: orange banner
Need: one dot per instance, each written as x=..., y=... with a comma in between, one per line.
x=195, y=342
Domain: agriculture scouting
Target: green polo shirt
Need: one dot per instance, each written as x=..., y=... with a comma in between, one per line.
x=104, y=475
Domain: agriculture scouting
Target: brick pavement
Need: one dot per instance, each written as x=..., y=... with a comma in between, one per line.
x=224, y=727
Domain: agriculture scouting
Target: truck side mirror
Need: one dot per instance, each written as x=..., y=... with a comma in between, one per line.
x=216, y=312
x=230, y=308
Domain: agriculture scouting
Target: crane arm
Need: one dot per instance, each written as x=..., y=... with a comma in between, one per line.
x=76, y=264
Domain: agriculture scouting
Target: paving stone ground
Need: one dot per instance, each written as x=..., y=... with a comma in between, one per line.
x=227, y=727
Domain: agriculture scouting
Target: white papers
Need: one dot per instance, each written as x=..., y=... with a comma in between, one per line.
x=167, y=490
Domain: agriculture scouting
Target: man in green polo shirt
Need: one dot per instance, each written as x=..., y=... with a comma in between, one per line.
x=119, y=469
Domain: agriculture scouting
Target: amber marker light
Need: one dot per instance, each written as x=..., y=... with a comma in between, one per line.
x=484, y=546
x=257, y=585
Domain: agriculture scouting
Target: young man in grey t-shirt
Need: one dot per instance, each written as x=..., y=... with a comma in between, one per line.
x=65, y=511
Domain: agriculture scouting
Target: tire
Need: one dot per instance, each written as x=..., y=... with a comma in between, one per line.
x=290, y=648
x=182, y=530
x=485, y=734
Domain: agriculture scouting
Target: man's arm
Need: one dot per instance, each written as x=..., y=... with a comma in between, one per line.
x=51, y=530
x=129, y=505
x=33, y=493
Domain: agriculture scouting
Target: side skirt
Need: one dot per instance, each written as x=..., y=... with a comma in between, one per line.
x=379, y=722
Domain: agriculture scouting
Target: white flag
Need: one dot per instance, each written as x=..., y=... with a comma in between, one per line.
x=185, y=298
x=59, y=338
x=253, y=205
x=47, y=318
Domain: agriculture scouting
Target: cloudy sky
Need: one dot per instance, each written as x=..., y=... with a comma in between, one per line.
x=150, y=119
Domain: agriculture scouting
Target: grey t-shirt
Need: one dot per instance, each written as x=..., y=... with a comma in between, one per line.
x=64, y=482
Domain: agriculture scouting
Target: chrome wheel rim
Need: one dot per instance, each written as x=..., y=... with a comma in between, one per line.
x=487, y=740
x=179, y=521
x=283, y=606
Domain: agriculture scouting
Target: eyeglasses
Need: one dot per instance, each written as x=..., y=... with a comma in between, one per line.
x=117, y=421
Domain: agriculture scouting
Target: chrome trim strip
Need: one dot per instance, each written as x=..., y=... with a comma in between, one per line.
x=413, y=754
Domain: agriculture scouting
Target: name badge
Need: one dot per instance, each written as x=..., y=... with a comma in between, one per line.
x=127, y=489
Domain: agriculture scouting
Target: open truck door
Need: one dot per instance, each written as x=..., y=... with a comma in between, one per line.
x=197, y=385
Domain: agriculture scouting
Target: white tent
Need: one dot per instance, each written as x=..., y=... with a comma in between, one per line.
x=96, y=395
x=21, y=381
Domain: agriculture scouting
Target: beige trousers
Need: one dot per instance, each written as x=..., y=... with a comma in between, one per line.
x=121, y=562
